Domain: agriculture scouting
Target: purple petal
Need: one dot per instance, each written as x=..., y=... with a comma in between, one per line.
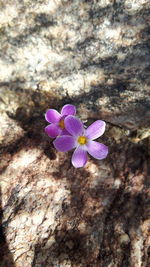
x=52, y=130
x=73, y=125
x=64, y=143
x=64, y=132
x=96, y=129
x=79, y=157
x=68, y=110
x=52, y=116
x=97, y=150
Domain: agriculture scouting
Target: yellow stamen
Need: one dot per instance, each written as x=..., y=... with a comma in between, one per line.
x=62, y=124
x=82, y=140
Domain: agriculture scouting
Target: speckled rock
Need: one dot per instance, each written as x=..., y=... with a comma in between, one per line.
x=55, y=215
x=94, y=54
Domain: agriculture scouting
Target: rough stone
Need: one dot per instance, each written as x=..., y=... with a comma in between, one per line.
x=94, y=54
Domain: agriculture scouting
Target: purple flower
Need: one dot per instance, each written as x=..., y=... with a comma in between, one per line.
x=82, y=140
x=57, y=126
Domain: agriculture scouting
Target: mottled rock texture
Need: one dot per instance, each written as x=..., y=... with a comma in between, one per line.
x=96, y=55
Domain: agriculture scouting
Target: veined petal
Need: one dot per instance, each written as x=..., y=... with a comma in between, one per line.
x=64, y=143
x=68, y=110
x=79, y=157
x=64, y=132
x=73, y=125
x=52, y=130
x=97, y=150
x=96, y=129
x=52, y=116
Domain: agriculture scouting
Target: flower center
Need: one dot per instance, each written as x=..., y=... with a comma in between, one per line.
x=62, y=124
x=82, y=140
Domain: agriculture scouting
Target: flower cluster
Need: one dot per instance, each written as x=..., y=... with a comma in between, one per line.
x=70, y=133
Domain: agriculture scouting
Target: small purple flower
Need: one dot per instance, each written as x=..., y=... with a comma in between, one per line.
x=82, y=140
x=57, y=126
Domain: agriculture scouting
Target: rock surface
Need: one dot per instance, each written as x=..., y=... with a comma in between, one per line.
x=96, y=55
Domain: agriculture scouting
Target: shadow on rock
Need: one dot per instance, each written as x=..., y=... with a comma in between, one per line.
x=108, y=237
x=100, y=225
x=6, y=257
